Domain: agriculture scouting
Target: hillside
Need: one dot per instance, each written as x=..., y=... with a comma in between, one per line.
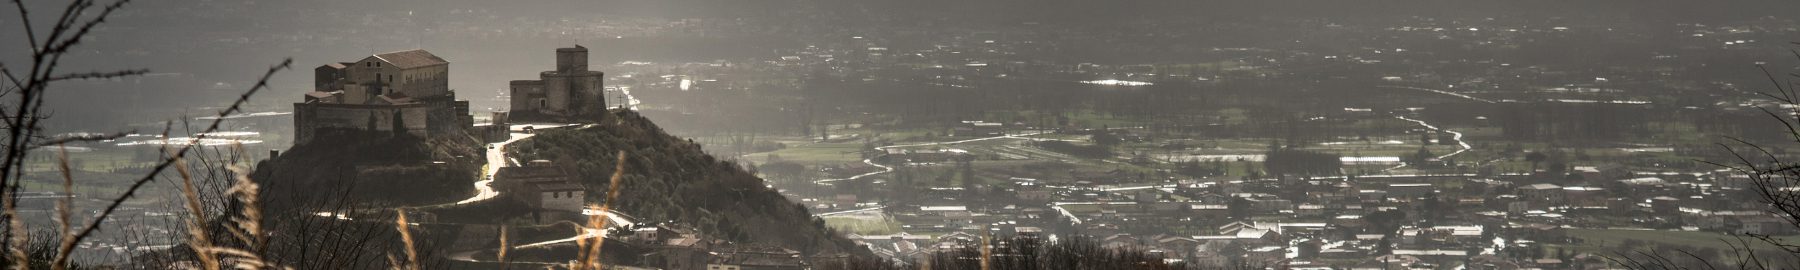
x=666, y=179
x=372, y=169
x=669, y=178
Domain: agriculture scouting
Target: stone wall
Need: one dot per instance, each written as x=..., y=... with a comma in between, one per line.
x=556, y=91
x=425, y=82
x=311, y=120
x=528, y=96
x=561, y=200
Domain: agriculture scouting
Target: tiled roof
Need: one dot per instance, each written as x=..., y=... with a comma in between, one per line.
x=511, y=173
x=558, y=186
x=412, y=58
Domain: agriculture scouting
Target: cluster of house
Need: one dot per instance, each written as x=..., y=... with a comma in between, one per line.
x=1392, y=221
x=544, y=187
x=674, y=246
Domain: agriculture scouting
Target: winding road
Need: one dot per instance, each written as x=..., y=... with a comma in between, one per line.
x=1458, y=136
x=887, y=169
x=1442, y=92
x=496, y=159
x=614, y=221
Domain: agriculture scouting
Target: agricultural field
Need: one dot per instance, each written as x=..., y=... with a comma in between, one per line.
x=864, y=223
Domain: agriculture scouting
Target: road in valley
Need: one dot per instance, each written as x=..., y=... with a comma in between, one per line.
x=1458, y=136
x=887, y=169
x=1441, y=92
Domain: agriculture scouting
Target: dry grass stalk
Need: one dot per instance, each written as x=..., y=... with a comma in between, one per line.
x=598, y=222
x=241, y=259
x=986, y=249
x=64, y=207
x=394, y=263
x=582, y=243
x=581, y=246
x=196, y=223
x=591, y=257
x=504, y=246
x=248, y=227
x=178, y=153
x=15, y=248
x=412, y=255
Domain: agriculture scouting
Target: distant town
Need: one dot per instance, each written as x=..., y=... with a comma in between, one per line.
x=1454, y=140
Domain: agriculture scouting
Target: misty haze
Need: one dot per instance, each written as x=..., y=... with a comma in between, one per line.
x=890, y=134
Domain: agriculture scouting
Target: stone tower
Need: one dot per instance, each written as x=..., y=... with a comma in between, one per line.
x=570, y=90
x=572, y=60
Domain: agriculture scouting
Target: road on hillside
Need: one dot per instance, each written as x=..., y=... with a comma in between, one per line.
x=496, y=159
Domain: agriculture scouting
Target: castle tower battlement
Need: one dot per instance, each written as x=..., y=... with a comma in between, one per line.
x=570, y=90
x=572, y=60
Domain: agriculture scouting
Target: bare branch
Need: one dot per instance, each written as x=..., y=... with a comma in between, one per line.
x=1785, y=97
x=86, y=27
x=99, y=75
x=81, y=138
x=181, y=152
x=25, y=22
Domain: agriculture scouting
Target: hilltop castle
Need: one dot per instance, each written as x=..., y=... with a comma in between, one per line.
x=570, y=90
x=398, y=92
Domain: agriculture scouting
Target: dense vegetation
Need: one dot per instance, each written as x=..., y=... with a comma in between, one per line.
x=431, y=171
x=667, y=178
x=1301, y=162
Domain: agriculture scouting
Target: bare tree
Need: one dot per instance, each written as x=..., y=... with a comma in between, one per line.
x=1775, y=181
x=22, y=96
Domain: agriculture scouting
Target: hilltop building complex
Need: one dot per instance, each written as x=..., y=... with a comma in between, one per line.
x=404, y=92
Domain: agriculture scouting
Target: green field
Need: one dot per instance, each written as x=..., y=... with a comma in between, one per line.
x=816, y=153
x=864, y=225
